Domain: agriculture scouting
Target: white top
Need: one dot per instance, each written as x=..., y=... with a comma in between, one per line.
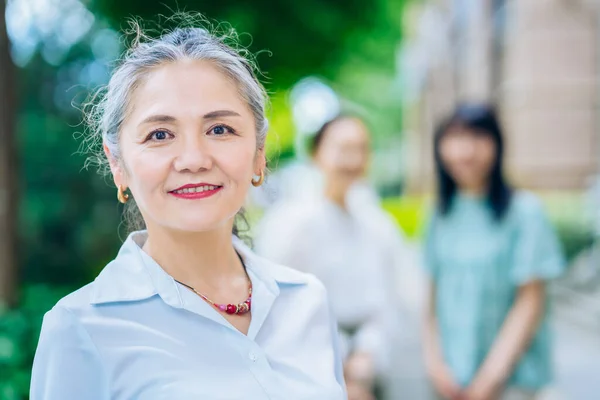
x=134, y=333
x=348, y=255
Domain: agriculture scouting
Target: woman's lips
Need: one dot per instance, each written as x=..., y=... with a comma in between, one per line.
x=193, y=192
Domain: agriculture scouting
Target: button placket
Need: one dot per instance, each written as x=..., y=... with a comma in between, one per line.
x=252, y=356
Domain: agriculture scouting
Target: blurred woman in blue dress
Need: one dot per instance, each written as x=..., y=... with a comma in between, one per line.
x=490, y=251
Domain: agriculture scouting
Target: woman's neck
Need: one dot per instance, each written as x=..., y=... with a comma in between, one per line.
x=336, y=193
x=474, y=190
x=472, y=193
x=194, y=258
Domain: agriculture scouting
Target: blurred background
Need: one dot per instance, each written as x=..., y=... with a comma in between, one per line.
x=399, y=64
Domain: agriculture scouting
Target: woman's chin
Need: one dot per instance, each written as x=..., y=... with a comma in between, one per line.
x=193, y=226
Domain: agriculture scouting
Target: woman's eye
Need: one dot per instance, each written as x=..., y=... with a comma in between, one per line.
x=159, y=135
x=220, y=130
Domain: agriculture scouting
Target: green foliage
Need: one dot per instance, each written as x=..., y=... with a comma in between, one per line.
x=410, y=213
x=570, y=216
x=574, y=237
x=281, y=133
x=302, y=37
x=19, y=332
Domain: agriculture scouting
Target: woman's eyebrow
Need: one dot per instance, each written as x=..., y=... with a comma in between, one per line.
x=168, y=118
x=158, y=118
x=220, y=114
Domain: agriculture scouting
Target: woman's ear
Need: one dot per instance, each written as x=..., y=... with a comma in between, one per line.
x=260, y=163
x=115, y=168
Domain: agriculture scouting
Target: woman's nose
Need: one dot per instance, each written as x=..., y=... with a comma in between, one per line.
x=193, y=155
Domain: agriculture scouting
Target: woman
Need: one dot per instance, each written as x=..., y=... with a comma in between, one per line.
x=341, y=246
x=489, y=251
x=185, y=310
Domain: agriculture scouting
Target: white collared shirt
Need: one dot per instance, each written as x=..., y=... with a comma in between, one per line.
x=134, y=333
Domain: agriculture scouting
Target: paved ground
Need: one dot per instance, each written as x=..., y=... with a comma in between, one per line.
x=577, y=362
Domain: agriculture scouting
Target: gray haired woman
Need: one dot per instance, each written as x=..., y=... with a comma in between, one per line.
x=186, y=310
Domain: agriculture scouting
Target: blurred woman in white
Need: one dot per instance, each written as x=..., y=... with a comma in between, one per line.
x=341, y=245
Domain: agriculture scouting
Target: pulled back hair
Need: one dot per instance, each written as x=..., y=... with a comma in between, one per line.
x=191, y=39
x=317, y=139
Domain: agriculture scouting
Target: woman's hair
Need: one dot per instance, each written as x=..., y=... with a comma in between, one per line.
x=317, y=139
x=108, y=108
x=481, y=119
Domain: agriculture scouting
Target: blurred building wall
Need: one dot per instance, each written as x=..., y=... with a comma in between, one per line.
x=538, y=60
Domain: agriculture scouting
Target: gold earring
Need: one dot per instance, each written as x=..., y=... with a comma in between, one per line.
x=121, y=195
x=260, y=180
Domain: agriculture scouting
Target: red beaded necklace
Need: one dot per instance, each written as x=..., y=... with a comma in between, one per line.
x=238, y=309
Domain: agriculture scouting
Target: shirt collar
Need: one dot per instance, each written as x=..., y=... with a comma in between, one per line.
x=133, y=275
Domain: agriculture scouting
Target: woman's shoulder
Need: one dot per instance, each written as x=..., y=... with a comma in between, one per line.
x=65, y=321
x=72, y=305
x=526, y=204
x=110, y=282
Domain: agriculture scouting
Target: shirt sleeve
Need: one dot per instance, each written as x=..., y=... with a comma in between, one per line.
x=332, y=327
x=339, y=363
x=430, y=259
x=67, y=364
x=371, y=339
x=374, y=335
x=537, y=251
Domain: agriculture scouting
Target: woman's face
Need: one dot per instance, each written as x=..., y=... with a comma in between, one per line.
x=188, y=148
x=468, y=157
x=343, y=154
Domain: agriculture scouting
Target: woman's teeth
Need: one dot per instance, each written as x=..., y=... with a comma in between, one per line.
x=197, y=189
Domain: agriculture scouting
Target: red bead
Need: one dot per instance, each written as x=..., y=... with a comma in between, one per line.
x=231, y=309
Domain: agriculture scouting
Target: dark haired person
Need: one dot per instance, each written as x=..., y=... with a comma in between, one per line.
x=344, y=246
x=489, y=251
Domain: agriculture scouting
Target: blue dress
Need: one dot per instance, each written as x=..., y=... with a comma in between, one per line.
x=477, y=264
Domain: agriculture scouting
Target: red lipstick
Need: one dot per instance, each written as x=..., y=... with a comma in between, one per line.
x=194, y=191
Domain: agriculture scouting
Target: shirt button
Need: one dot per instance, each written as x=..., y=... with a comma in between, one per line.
x=252, y=357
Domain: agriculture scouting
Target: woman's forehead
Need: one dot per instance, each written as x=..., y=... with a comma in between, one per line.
x=186, y=86
x=347, y=130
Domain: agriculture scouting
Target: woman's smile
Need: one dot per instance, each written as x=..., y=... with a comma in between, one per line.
x=195, y=191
